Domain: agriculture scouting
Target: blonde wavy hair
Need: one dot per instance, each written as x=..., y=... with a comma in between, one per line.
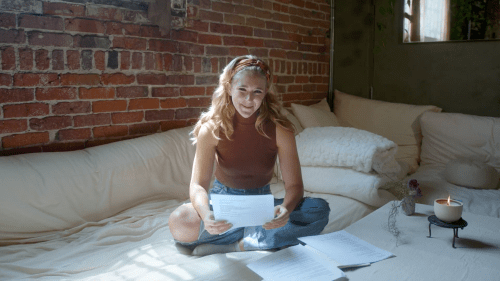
x=221, y=112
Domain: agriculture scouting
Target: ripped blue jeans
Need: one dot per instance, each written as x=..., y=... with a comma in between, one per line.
x=308, y=218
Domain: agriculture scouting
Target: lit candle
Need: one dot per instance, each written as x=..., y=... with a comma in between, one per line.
x=448, y=210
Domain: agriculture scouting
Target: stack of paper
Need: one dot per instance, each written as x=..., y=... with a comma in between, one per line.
x=320, y=259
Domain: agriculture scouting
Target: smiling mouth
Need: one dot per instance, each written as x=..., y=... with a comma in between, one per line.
x=247, y=107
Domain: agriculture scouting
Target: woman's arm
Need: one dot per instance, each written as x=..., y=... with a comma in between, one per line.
x=292, y=176
x=200, y=180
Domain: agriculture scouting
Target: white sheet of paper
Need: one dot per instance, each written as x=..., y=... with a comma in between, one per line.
x=295, y=263
x=346, y=249
x=243, y=210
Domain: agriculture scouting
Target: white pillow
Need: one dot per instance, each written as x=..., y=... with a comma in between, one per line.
x=448, y=136
x=316, y=115
x=471, y=173
x=293, y=119
x=42, y=192
x=395, y=121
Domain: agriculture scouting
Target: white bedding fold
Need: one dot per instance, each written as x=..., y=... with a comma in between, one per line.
x=346, y=147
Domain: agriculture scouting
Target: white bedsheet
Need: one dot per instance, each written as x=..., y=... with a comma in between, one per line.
x=137, y=245
x=484, y=202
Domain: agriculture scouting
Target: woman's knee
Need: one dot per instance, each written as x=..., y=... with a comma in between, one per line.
x=316, y=205
x=184, y=223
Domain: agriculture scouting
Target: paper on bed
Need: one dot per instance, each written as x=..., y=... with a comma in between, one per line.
x=295, y=263
x=346, y=249
x=243, y=210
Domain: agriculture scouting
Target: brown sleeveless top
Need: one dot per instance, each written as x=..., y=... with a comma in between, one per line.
x=247, y=160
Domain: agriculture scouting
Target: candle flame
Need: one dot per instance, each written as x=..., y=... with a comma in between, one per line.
x=448, y=201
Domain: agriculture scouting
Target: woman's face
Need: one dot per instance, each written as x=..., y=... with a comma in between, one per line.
x=248, y=89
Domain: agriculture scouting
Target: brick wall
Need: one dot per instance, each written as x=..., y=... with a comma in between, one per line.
x=76, y=74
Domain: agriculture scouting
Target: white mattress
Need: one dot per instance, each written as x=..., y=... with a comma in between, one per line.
x=484, y=202
x=137, y=245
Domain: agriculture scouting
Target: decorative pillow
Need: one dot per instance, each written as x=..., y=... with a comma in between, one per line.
x=448, y=136
x=294, y=120
x=471, y=173
x=346, y=147
x=316, y=115
x=395, y=121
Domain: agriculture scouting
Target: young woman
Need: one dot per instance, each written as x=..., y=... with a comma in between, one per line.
x=242, y=133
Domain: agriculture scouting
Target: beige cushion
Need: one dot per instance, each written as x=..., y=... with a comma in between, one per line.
x=316, y=115
x=395, y=121
x=448, y=136
x=471, y=173
x=42, y=192
x=293, y=119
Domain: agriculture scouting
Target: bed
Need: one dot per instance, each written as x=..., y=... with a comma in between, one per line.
x=102, y=213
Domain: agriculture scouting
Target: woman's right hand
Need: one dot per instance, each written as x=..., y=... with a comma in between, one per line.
x=215, y=227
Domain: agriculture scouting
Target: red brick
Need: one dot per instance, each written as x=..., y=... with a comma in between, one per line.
x=211, y=16
x=109, y=106
x=7, y=20
x=199, y=102
x=25, y=59
x=73, y=59
x=25, y=110
x=180, y=79
x=129, y=43
x=13, y=126
x=223, y=7
x=184, y=35
x=5, y=79
x=301, y=79
x=42, y=59
x=8, y=58
x=151, y=31
x=127, y=117
x=71, y=107
x=92, y=120
x=105, y=13
x=294, y=88
x=188, y=64
x=84, y=25
x=12, y=36
x=187, y=113
x=110, y=131
x=243, y=41
x=215, y=64
x=80, y=79
x=15, y=95
x=57, y=59
x=165, y=92
x=197, y=65
x=220, y=28
x=151, y=79
x=63, y=146
x=245, y=10
x=114, y=28
x=158, y=115
x=234, y=19
x=25, y=139
x=125, y=60
x=50, y=39
x=210, y=91
x=310, y=87
x=192, y=91
x=173, y=103
x=209, y=39
x=32, y=79
x=132, y=29
x=149, y=61
x=100, y=60
x=174, y=124
x=73, y=134
x=50, y=123
x=132, y=92
x=56, y=93
x=117, y=79
x=144, y=128
x=143, y=104
x=97, y=93
x=242, y=30
x=21, y=150
x=163, y=46
x=197, y=25
x=136, y=60
x=40, y=22
x=61, y=9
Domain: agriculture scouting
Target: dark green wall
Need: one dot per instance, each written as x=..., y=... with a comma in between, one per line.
x=456, y=76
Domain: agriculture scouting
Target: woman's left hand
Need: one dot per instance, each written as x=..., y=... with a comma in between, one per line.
x=281, y=218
